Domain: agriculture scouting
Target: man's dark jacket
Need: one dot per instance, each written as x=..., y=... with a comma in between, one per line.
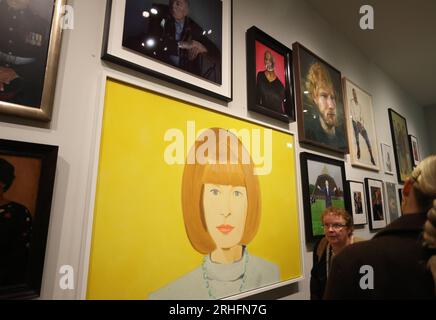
x=397, y=258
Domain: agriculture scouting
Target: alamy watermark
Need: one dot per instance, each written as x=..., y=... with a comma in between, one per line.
x=66, y=281
x=67, y=17
x=367, y=20
x=367, y=280
x=182, y=147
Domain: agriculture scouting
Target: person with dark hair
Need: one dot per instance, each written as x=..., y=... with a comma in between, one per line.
x=377, y=206
x=270, y=92
x=174, y=37
x=23, y=53
x=338, y=230
x=398, y=266
x=15, y=232
x=328, y=193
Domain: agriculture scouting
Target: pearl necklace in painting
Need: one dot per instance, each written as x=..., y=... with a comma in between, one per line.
x=209, y=285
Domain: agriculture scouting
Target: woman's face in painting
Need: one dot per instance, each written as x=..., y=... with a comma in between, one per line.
x=225, y=212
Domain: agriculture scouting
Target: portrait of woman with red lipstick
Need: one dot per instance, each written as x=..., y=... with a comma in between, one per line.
x=221, y=210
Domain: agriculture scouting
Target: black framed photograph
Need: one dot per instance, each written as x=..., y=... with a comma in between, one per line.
x=400, y=140
x=269, y=76
x=188, y=43
x=414, y=148
x=393, y=203
x=29, y=55
x=359, y=209
x=320, y=106
x=376, y=204
x=324, y=185
x=27, y=174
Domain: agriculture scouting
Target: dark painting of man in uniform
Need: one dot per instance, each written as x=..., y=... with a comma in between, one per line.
x=15, y=220
x=270, y=89
x=24, y=39
x=183, y=33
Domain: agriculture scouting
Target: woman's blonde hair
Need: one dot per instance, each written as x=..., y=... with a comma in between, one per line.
x=318, y=77
x=227, y=163
x=424, y=186
x=424, y=182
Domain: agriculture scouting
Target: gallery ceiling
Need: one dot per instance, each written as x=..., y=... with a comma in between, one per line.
x=403, y=42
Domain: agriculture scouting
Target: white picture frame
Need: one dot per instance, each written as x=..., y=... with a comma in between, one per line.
x=376, y=204
x=414, y=150
x=388, y=159
x=362, y=135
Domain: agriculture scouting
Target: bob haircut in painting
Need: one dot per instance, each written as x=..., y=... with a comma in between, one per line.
x=208, y=165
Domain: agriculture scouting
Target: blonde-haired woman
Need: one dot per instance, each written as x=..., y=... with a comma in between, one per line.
x=394, y=264
x=221, y=211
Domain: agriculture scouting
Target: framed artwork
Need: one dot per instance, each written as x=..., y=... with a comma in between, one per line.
x=188, y=43
x=393, y=202
x=320, y=108
x=185, y=162
x=388, y=158
x=362, y=136
x=269, y=76
x=324, y=185
x=376, y=204
x=357, y=193
x=414, y=148
x=27, y=173
x=400, y=140
x=29, y=55
x=400, y=198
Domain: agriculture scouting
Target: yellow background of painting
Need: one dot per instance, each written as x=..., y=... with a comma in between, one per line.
x=139, y=242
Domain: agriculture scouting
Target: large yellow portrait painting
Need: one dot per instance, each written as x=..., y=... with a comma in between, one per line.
x=190, y=203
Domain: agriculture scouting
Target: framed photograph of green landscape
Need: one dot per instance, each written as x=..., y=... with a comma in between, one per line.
x=324, y=185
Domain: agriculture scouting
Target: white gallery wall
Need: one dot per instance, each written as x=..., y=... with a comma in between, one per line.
x=76, y=117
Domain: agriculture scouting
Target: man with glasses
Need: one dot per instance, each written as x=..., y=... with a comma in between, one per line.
x=338, y=233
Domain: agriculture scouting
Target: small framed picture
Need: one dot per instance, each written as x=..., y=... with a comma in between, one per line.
x=269, y=76
x=27, y=173
x=393, y=203
x=414, y=148
x=376, y=204
x=324, y=185
x=388, y=159
x=359, y=210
